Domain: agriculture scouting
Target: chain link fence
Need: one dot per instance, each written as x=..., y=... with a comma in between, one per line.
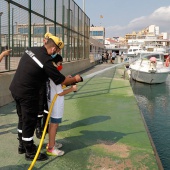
x=24, y=23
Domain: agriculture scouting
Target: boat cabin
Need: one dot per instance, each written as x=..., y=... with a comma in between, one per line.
x=147, y=56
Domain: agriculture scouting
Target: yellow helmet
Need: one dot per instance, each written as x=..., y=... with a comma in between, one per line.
x=57, y=41
x=47, y=35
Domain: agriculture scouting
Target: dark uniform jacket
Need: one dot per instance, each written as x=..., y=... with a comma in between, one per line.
x=30, y=76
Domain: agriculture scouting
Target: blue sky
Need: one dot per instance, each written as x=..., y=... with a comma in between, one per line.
x=124, y=16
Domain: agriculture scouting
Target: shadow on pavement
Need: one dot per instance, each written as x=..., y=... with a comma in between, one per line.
x=84, y=122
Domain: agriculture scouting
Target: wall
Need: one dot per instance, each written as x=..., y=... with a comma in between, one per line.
x=5, y=95
x=76, y=66
x=69, y=68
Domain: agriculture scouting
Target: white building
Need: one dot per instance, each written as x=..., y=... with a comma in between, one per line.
x=110, y=43
x=165, y=35
x=153, y=29
x=98, y=33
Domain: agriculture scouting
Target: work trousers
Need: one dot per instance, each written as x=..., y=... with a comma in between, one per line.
x=42, y=105
x=27, y=110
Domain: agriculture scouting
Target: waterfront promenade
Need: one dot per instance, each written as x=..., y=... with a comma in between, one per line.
x=102, y=129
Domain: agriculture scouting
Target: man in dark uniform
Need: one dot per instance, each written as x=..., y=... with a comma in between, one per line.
x=34, y=68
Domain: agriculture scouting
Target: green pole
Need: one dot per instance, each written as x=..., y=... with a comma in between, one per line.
x=29, y=24
x=0, y=33
x=63, y=25
x=33, y=34
x=84, y=35
x=13, y=31
x=7, y=63
x=19, y=48
x=44, y=19
x=78, y=41
x=68, y=30
x=55, y=17
x=25, y=41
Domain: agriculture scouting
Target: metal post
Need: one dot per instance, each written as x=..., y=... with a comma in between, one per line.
x=13, y=31
x=29, y=23
x=78, y=41
x=44, y=18
x=33, y=34
x=8, y=46
x=68, y=31
x=84, y=30
x=16, y=28
x=0, y=33
x=25, y=44
x=63, y=19
x=55, y=13
x=16, y=37
x=19, y=48
x=71, y=37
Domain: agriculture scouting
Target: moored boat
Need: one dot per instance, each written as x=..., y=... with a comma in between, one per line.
x=149, y=68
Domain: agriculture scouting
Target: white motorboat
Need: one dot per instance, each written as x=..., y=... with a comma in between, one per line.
x=149, y=68
x=133, y=51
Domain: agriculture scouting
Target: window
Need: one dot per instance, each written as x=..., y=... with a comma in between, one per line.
x=96, y=33
x=23, y=30
x=38, y=30
x=51, y=30
x=101, y=41
x=58, y=30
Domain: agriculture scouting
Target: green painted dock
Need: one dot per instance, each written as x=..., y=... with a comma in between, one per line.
x=102, y=129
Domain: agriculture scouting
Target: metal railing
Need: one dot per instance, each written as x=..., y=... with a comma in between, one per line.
x=24, y=23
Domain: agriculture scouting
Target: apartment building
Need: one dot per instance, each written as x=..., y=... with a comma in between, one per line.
x=98, y=33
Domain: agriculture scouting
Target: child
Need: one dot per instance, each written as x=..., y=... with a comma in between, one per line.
x=42, y=102
x=58, y=109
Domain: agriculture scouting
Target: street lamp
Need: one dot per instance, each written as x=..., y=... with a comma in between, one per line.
x=0, y=32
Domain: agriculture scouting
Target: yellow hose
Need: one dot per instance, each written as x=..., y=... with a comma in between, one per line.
x=44, y=131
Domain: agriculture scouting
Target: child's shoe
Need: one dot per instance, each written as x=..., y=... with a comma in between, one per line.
x=54, y=152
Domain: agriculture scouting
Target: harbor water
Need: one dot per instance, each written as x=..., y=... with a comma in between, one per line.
x=154, y=104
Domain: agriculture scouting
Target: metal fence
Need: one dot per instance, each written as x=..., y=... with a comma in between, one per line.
x=23, y=24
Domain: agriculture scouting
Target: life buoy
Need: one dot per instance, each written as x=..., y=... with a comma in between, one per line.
x=167, y=62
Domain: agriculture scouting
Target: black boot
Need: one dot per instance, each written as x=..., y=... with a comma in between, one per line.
x=21, y=148
x=31, y=150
